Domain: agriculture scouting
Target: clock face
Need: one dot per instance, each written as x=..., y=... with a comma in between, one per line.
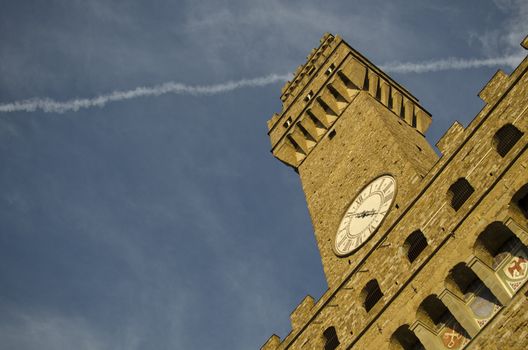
x=364, y=215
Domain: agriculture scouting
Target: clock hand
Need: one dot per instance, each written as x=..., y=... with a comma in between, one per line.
x=365, y=213
x=362, y=214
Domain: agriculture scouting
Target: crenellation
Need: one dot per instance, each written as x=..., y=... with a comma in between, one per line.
x=331, y=101
x=494, y=88
x=272, y=343
x=350, y=73
x=302, y=312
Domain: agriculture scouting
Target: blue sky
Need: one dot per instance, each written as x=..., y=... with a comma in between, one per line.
x=163, y=222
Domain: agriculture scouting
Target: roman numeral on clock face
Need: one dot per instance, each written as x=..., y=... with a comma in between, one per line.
x=388, y=198
x=360, y=199
x=347, y=244
x=359, y=240
x=341, y=241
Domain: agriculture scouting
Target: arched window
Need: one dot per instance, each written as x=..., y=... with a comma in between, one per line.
x=463, y=280
x=331, y=340
x=371, y=294
x=433, y=312
x=520, y=200
x=505, y=138
x=414, y=245
x=460, y=191
x=494, y=243
x=403, y=338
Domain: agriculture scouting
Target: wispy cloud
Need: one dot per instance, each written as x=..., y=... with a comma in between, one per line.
x=53, y=106
x=451, y=63
x=506, y=35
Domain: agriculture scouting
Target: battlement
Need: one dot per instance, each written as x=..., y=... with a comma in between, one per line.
x=321, y=91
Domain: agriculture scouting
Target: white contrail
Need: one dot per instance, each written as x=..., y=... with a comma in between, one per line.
x=451, y=64
x=49, y=105
x=53, y=106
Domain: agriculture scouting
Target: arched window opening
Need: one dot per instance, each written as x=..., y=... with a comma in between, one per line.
x=520, y=200
x=463, y=280
x=405, y=339
x=460, y=191
x=371, y=294
x=415, y=244
x=494, y=243
x=505, y=138
x=331, y=340
x=433, y=312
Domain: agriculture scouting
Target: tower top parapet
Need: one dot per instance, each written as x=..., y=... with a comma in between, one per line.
x=323, y=87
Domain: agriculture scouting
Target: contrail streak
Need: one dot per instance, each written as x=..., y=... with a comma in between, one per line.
x=451, y=64
x=52, y=106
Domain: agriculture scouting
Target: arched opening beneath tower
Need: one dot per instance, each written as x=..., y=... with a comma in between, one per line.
x=432, y=312
x=495, y=244
x=435, y=315
x=405, y=339
x=463, y=281
x=520, y=200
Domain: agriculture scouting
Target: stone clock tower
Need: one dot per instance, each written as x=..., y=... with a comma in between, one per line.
x=344, y=123
x=419, y=251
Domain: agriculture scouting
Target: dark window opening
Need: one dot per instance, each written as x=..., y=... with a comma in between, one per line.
x=505, y=138
x=371, y=294
x=287, y=123
x=330, y=69
x=460, y=191
x=331, y=340
x=520, y=199
x=308, y=96
x=415, y=244
x=331, y=134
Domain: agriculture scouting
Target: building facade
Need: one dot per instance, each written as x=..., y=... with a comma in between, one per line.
x=419, y=251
